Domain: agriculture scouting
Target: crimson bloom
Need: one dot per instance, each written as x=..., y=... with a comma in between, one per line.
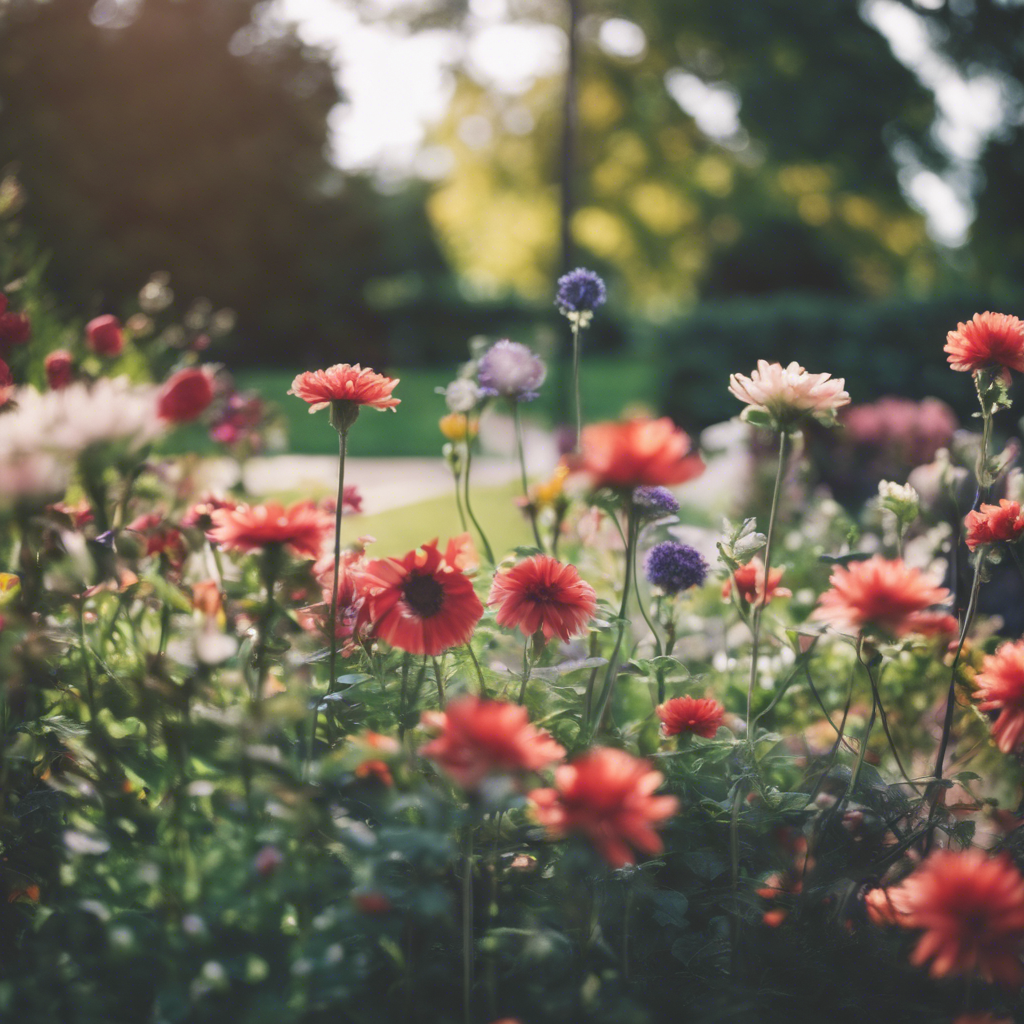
x=878, y=594
x=606, y=795
x=993, y=523
x=700, y=716
x=421, y=603
x=59, y=368
x=301, y=528
x=986, y=340
x=749, y=582
x=1000, y=685
x=160, y=536
x=970, y=908
x=636, y=453
x=484, y=737
x=105, y=336
x=15, y=328
x=541, y=593
x=345, y=383
x=185, y=396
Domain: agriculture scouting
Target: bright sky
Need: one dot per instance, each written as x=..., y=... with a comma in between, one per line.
x=397, y=83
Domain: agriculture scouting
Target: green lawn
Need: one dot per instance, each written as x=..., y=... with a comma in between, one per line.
x=609, y=384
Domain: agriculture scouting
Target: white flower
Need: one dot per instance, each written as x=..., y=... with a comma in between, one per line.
x=901, y=499
x=462, y=395
x=786, y=393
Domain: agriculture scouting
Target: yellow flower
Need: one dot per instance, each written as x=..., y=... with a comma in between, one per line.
x=9, y=586
x=550, y=491
x=456, y=425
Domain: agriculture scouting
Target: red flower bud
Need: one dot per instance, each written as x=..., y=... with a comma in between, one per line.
x=185, y=396
x=59, y=369
x=15, y=329
x=104, y=335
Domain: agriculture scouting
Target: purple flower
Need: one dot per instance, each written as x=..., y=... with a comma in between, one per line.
x=580, y=291
x=510, y=370
x=675, y=567
x=655, y=502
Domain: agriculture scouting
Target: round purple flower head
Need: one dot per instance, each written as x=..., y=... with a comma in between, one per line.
x=510, y=370
x=580, y=291
x=675, y=567
x=655, y=502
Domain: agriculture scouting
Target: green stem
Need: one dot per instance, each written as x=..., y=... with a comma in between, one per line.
x=403, y=706
x=527, y=668
x=521, y=451
x=760, y=605
x=439, y=676
x=457, y=474
x=658, y=650
x=576, y=381
x=271, y=567
x=479, y=671
x=469, y=508
x=467, y=928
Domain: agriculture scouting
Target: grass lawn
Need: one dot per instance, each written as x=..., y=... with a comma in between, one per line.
x=608, y=384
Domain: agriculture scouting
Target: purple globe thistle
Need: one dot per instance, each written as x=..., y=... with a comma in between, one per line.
x=510, y=370
x=675, y=567
x=580, y=291
x=655, y=502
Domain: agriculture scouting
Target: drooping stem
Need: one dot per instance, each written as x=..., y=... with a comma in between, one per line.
x=521, y=451
x=766, y=587
x=469, y=508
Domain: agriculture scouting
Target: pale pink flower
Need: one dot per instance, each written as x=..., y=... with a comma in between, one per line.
x=787, y=393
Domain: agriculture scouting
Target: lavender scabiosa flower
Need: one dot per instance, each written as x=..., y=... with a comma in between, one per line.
x=654, y=502
x=580, y=291
x=675, y=567
x=510, y=370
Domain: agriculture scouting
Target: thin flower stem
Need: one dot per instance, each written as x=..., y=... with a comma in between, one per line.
x=271, y=566
x=759, y=607
x=467, y=928
x=479, y=671
x=439, y=676
x=469, y=508
x=457, y=474
x=332, y=623
x=521, y=451
x=576, y=381
x=877, y=696
x=527, y=668
x=658, y=650
x=403, y=706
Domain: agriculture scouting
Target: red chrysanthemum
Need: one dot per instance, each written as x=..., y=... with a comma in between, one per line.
x=986, y=340
x=698, y=715
x=637, y=452
x=749, y=582
x=345, y=383
x=301, y=528
x=608, y=796
x=484, y=737
x=878, y=594
x=59, y=368
x=543, y=593
x=1000, y=686
x=993, y=523
x=185, y=396
x=420, y=603
x=104, y=336
x=970, y=907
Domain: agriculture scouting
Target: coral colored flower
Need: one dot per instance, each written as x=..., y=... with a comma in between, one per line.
x=420, y=603
x=543, y=593
x=350, y=615
x=986, y=340
x=970, y=907
x=993, y=523
x=207, y=599
x=636, y=453
x=878, y=594
x=59, y=368
x=485, y=737
x=104, y=335
x=683, y=715
x=6, y=383
x=886, y=906
x=1000, y=686
x=787, y=393
x=606, y=795
x=301, y=528
x=351, y=501
x=461, y=553
x=345, y=383
x=749, y=582
x=185, y=396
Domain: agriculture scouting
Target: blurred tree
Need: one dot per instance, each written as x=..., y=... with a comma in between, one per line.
x=191, y=136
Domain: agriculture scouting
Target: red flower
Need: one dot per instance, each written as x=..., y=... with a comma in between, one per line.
x=987, y=339
x=200, y=513
x=879, y=594
x=1000, y=685
x=698, y=715
x=482, y=737
x=970, y=907
x=371, y=902
x=543, y=593
x=15, y=328
x=637, y=452
x=59, y=369
x=420, y=603
x=351, y=501
x=6, y=383
x=994, y=523
x=161, y=538
x=185, y=396
x=345, y=383
x=301, y=528
x=749, y=582
x=351, y=613
x=104, y=335
x=607, y=795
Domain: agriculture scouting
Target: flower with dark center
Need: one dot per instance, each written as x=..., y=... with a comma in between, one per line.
x=541, y=593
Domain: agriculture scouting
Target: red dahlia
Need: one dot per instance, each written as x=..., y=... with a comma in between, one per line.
x=698, y=715
x=541, y=593
x=993, y=523
x=986, y=340
x=301, y=528
x=345, y=383
x=1000, y=685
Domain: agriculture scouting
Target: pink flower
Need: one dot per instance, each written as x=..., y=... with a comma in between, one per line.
x=301, y=528
x=59, y=368
x=787, y=393
x=345, y=383
x=104, y=335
